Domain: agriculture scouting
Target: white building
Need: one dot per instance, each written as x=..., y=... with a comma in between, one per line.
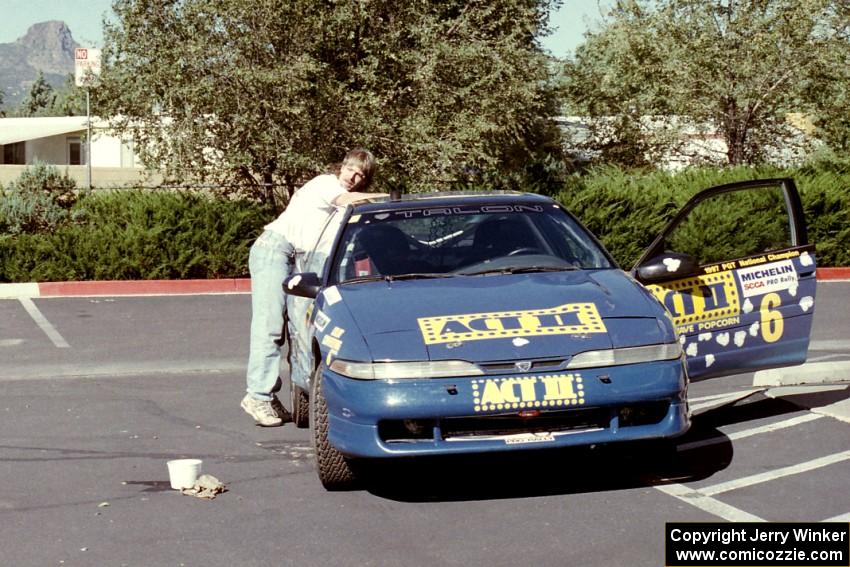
x=61, y=141
x=680, y=143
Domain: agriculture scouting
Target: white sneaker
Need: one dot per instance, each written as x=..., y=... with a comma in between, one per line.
x=262, y=412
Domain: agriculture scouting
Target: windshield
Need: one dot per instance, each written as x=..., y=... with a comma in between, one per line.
x=468, y=240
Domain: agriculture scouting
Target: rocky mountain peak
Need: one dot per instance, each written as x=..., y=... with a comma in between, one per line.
x=49, y=47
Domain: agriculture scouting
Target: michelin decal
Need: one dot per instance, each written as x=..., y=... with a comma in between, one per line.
x=767, y=278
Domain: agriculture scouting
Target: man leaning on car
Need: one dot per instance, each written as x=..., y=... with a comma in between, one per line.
x=270, y=263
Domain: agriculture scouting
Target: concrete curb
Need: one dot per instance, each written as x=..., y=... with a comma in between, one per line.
x=125, y=287
x=197, y=287
x=833, y=274
x=835, y=372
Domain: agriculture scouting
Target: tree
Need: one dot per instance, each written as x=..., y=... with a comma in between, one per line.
x=267, y=92
x=39, y=100
x=726, y=67
x=45, y=100
x=829, y=86
x=70, y=99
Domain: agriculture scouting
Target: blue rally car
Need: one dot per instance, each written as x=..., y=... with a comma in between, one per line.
x=461, y=323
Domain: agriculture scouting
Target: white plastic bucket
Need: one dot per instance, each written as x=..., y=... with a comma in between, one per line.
x=184, y=472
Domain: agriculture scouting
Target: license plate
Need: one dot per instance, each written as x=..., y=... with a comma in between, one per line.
x=528, y=438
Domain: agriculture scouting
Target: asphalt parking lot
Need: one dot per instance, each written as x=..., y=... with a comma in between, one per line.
x=99, y=392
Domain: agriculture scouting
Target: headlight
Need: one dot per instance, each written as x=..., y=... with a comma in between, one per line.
x=402, y=370
x=633, y=355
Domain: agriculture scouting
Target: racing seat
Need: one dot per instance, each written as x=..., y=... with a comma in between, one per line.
x=499, y=237
x=387, y=249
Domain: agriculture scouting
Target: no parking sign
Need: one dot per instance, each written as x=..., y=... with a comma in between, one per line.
x=86, y=66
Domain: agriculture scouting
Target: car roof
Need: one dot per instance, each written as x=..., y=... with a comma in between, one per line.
x=452, y=199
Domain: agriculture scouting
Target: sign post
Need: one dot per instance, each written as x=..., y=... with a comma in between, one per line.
x=87, y=75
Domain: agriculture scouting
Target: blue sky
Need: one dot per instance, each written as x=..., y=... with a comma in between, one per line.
x=84, y=18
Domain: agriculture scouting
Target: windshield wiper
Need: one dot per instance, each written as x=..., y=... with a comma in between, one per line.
x=360, y=279
x=418, y=276
x=521, y=270
x=526, y=269
x=391, y=278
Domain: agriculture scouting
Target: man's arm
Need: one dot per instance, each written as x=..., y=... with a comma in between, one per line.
x=352, y=197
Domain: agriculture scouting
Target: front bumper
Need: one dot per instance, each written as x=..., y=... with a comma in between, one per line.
x=377, y=418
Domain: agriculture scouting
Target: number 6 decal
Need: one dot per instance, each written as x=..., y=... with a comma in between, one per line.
x=772, y=324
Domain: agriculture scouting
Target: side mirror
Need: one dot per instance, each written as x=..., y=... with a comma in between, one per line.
x=306, y=284
x=667, y=266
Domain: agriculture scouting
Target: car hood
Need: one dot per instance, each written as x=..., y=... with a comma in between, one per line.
x=502, y=317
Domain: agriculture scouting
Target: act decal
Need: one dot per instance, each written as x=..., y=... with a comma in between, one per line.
x=522, y=392
x=567, y=319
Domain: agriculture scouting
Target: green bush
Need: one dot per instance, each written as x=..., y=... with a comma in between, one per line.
x=826, y=200
x=135, y=234
x=140, y=235
x=627, y=209
x=39, y=201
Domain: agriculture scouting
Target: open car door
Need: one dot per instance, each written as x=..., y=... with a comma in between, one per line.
x=735, y=271
x=301, y=310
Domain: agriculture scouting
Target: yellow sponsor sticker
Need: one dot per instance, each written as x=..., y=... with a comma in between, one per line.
x=527, y=392
x=703, y=298
x=567, y=319
x=332, y=343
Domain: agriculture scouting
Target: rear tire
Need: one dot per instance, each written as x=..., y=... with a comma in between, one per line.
x=299, y=401
x=334, y=469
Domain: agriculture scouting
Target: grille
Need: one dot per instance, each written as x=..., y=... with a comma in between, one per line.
x=550, y=365
x=426, y=430
x=568, y=420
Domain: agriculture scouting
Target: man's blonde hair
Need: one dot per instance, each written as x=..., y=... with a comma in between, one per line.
x=363, y=159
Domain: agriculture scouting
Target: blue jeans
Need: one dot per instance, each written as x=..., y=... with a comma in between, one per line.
x=270, y=262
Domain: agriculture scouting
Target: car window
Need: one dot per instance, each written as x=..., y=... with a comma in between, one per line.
x=733, y=225
x=463, y=240
x=316, y=258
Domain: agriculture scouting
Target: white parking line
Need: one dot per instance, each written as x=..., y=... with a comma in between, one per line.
x=703, y=498
x=707, y=403
x=825, y=357
x=43, y=323
x=773, y=475
x=749, y=432
x=708, y=504
x=720, y=396
x=829, y=345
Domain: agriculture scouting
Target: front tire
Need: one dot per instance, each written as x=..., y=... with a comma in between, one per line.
x=334, y=469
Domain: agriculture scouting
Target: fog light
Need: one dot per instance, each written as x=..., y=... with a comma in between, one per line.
x=413, y=426
x=529, y=413
x=406, y=430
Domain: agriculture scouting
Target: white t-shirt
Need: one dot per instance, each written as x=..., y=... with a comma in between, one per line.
x=302, y=221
